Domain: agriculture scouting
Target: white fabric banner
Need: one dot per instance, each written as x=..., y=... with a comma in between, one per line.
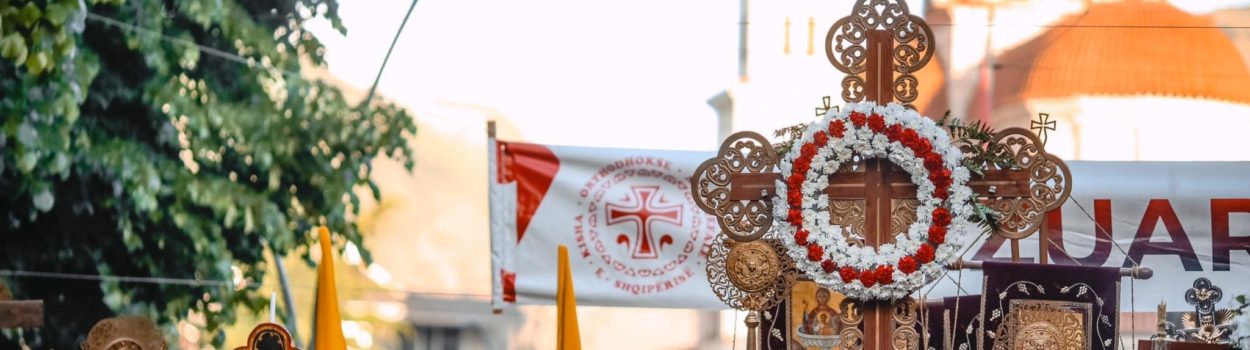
x=1184, y=220
x=638, y=239
x=634, y=234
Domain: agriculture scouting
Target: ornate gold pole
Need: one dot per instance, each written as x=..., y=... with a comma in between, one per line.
x=753, y=322
x=1160, y=339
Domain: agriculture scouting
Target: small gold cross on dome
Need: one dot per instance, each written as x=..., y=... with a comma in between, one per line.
x=825, y=106
x=1042, y=125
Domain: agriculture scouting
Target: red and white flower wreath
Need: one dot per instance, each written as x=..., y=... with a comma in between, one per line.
x=916, y=144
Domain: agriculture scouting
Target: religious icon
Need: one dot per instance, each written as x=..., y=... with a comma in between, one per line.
x=814, y=323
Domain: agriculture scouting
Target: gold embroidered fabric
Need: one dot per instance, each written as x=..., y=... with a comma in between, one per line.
x=1045, y=324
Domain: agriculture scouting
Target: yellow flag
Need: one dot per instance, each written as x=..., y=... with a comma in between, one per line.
x=567, y=336
x=329, y=330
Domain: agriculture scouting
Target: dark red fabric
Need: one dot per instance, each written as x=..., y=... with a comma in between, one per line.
x=964, y=313
x=533, y=168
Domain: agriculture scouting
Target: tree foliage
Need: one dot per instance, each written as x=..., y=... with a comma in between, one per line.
x=171, y=139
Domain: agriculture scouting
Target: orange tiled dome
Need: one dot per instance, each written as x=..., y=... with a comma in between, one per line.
x=1126, y=48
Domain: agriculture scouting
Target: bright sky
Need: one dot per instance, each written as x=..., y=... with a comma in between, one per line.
x=615, y=74
x=607, y=73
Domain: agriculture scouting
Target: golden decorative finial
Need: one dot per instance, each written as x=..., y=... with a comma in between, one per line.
x=811, y=35
x=1160, y=339
x=1042, y=125
x=824, y=107
x=787, y=50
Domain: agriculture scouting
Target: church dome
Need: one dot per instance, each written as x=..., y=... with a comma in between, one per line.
x=1126, y=48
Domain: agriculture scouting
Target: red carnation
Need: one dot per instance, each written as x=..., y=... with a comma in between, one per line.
x=933, y=162
x=942, y=192
x=941, y=177
x=907, y=264
x=820, y=139
x=868, y=278
x=924, y=254
x=923, y=153
x=941, y=216
x=937, y=234
x=858, y=119
x=815, y=252
x=894, y=131
x=837, y=128
x=796, y=180
x=794, y=198
x=800, y=237
x=828, y=266
x=796, y=217
x=848, y=274
x=885, y=274
x=801, y=165
x=921, y=146
x=908, y=137
x=808, y=150
x=876, y=122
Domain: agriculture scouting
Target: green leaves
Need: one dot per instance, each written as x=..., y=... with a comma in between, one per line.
x=13, y=47
x=128, y=153
x=59, y=13
x=28, y=15
x=976, y=139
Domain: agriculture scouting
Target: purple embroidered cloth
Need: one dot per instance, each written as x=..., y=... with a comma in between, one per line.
x=963, y=317
x=1039, y=291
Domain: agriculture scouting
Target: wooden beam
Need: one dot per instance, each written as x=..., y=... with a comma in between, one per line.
x=21, y=313
x=752, y=186
x=1005, y=183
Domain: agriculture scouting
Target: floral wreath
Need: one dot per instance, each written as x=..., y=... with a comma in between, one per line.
x=916, y=144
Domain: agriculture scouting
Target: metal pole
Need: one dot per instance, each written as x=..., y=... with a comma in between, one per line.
x=286, y=298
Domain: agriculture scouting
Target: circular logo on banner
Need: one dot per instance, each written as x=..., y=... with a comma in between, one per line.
x=638, y=226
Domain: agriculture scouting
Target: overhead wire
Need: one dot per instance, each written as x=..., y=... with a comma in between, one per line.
x=211, y=51
x=200, y=282
x=251, y=63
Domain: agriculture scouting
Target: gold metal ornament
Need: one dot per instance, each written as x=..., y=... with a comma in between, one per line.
x=752, y=266
x=1043, y=324
x=124, y=333
x=742, y=277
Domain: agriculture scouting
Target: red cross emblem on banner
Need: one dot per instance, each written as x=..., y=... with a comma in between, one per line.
x=644, y=207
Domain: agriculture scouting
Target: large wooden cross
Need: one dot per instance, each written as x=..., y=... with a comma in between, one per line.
x=737, y=184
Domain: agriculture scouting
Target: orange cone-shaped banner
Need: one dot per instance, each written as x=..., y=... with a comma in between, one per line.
x=568, y=338
x=328, y=334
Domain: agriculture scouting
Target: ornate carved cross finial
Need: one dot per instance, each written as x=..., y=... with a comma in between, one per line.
x=903, y=45
x=1042, y=125
x=269, y=336
x=1205, y=324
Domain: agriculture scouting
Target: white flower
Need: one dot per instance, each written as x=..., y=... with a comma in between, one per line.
x=1241, y=330
x=867, y=144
